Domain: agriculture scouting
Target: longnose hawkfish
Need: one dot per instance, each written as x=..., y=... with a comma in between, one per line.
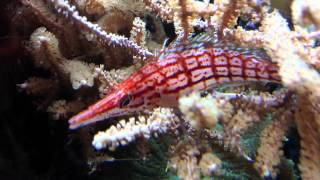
x=196, y=66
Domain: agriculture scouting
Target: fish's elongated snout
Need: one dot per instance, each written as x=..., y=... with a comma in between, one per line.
x=80, y=119
x=103, y=109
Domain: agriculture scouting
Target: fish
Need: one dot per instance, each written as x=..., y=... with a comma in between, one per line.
x=198, y=65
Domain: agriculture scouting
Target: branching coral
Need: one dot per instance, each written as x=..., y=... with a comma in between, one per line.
x=88, y=57
x=187, y=165
x=271, y=142
x=123, y=133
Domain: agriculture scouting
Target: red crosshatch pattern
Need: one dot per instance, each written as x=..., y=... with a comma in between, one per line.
x=178, y=71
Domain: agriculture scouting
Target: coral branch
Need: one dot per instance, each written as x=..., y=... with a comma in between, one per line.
x=69, y=41
x=69, y=11
x=290, y=63
x=162, y=11
x=47, y=54
x=308, y=123
x=227, y=15
x=200, y=112
x=270, y=152
x=159, y=122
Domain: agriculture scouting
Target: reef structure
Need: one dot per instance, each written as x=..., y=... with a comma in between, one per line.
x=86, y=48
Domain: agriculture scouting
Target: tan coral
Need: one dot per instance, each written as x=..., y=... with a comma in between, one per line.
x=91, y=7
x=299, y=76
x=134, y=6
x=69, y=40
x=308, y=123
x=190, y=162
x=236, y=113
x=210, y=164
x=248, y=38
x=38, y=86
x=138, y=32
x=200, y=112
x=138, y=35
x=81, y=73
x=109, y=79
x=62, y=109
x=45, y=50
x=290, y=62
x=47, y=54
x=270, y=151
x=304, y=13
x=160, y=8
x=161, y=121
x=186, y=12
x=226, y=16
x=185, y=162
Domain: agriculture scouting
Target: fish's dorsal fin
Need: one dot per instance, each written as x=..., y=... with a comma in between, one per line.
x=204, y=37
x=202, y=40
x=248, y=52
x=192, y=38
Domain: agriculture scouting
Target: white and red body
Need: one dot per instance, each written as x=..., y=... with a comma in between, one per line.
x=178, y=71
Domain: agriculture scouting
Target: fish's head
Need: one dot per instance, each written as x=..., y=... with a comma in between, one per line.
x=116, y=103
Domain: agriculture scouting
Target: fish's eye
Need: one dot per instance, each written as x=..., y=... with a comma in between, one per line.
x=125, y=100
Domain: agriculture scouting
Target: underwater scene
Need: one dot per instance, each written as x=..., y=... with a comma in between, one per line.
x=159, y=89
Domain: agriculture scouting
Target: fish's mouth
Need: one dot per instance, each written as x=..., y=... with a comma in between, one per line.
x=105, y=108
x=80, y=120
x=84, y=118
